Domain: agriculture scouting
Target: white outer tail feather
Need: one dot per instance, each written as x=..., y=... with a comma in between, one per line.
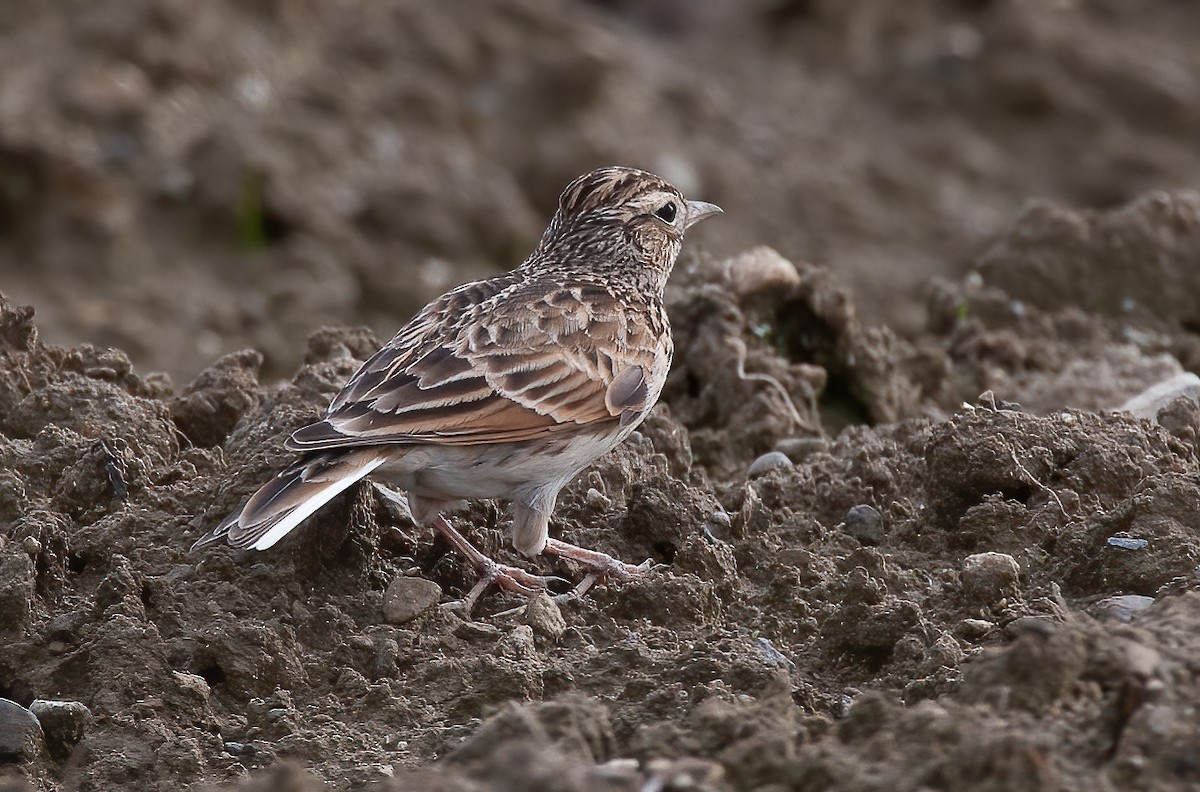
x=314, y=502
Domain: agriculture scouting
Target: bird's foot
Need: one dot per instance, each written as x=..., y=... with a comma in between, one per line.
x=511, y=579
x=602, y=566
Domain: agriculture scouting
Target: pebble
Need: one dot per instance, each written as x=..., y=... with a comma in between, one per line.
x=759, y=270
x=989, y=577
x=864, y=523
x=63, y=722
x=387, y=651
x=597, y=499
x=477, y=632
x=20, y=732
x=1123, y=607
x=1147, y=403
x=1127, y=543
x=721, y=519
x=518, y=644
x=407, y=598
x=771, y=655
x=799, y=449
x=766, y=463
x=972, y=629
x=545, y=617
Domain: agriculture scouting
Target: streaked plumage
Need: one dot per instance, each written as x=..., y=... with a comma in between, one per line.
x=507, y=387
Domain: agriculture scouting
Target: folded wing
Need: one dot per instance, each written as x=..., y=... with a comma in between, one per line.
x=495, y=363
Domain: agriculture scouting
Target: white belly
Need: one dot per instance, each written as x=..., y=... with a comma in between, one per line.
x=495, y=471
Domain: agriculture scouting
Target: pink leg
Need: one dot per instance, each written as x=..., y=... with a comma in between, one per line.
x=603, y=565
x=512, y=579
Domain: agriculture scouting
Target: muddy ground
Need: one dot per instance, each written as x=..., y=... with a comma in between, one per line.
x=902, y=539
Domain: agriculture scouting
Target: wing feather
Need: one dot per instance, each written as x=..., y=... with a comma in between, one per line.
x=497, y=361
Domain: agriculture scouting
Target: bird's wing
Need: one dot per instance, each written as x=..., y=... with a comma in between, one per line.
x=494, y=362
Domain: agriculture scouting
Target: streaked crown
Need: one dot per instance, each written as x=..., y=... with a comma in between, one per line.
x=606, y=188
x=621, y=221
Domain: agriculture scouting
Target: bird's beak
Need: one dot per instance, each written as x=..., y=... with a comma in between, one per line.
x=698, y=210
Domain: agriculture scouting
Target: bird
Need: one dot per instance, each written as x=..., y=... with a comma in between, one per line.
x=505, y=388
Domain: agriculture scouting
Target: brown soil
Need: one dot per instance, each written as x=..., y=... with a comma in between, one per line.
x=869, y=576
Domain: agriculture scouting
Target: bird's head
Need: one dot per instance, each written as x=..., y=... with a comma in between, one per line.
x=615, y=219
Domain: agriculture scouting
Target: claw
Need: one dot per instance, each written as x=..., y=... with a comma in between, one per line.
x=511, y=579
x=514, y=580
x=604, y=566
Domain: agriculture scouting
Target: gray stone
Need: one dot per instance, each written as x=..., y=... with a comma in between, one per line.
x=1123, y=607
x=1148, y=403
x=864, y=523
x=63, y=722
x=20, y=732
x=989, y=577
x=768, y=462
x=407, y=598
x=974, y=629
x=772, y=656
x=545, y=617
x=477, y=632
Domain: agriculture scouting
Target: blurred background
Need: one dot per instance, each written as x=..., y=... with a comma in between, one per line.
x=182, y=179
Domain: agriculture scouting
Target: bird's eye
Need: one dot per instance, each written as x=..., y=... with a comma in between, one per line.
x=666, y=213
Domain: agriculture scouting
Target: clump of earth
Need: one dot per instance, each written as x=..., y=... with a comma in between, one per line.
x=957, y=549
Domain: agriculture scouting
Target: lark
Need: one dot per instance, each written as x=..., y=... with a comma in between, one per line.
x=505, y=388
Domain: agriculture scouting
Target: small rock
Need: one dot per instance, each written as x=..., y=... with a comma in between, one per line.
x=477, y=632
x=943, y=653
x=518, y=644
x=760, y=270
x=597, y=499
x=63, y=722
x=387, y=651
x=973, y=629
x=1123, y=607
x=544, y=616
x=1030, y=625
x=1181, y=417
x=407, y=598
x=799, y=449
x=66, y=626
x=864, y=523
x=766, y=463
x=989, y=577
x=1148, y=403
x=20, y=732
x=772, y=656
x=1127, y=543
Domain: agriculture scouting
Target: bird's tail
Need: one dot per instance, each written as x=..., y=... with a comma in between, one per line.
x=291, y=497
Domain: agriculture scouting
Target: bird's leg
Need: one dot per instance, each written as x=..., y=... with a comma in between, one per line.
x=512, y=579
x=603, y=565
